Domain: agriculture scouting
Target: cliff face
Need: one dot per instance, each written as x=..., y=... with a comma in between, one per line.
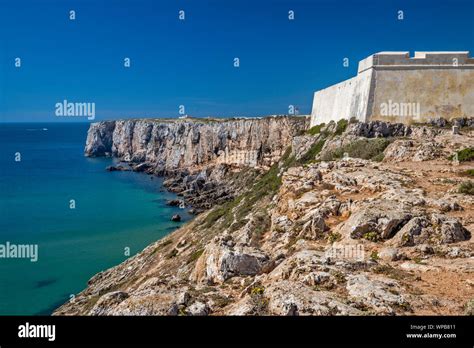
x=203, y=159
x=366, y=218
x=190, y=144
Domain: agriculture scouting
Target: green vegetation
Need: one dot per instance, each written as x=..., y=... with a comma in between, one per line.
x=262, y=222
x=391, y=272
x=469, y=172
x=334, y=237
x=374, y=255
x=316, y=129
x=257, y=290
x=372, y=236
x=221, y=301
x=216, y=213
x=463, y=155
x=237, y=225
x=378, y=158
x=310, y=155
x=195, y=255
x=341, y=127
x=418, y=260
x=363, y=148
x=258, y=300
x=269, y=183
x=339, y=277
x=161, y=246
x=165, y=243
x=238, y=209
x=467, y=188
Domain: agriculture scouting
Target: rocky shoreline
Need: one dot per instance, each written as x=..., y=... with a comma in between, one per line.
x=340, y=219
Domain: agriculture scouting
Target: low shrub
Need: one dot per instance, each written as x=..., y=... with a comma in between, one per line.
x=195, y=255
x=467, y=188
x=370, y=149
x=469, y=172
x=464, y=155
x=341, y=126
x=316, y=129
x=315, y=149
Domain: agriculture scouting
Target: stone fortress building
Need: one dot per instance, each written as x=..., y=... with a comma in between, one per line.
x=392, y=86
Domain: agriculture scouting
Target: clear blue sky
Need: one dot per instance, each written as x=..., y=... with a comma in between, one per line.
x=191, y=63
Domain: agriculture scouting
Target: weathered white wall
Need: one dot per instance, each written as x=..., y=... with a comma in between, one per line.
x=436, y=84
x=343, y=100
x=446, y=92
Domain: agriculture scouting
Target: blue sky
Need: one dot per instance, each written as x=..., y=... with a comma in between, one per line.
x=190, y=62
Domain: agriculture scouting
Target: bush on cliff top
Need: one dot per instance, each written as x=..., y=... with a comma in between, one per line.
x=341, y=126
x=310, y=155
x=369, y=148
x=467, y=188
x=316, y=129
x=464, y=155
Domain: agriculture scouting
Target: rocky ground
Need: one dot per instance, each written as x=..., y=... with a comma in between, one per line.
x=352, y=219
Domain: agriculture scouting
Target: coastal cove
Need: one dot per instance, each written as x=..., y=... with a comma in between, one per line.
x=43, y=171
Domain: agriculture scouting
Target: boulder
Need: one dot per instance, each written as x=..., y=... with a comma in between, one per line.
x=108, y=301
x=223, y=262
x=118, y=168
x=389, y=254
x=176, y=218
x=142, y=167
x=425, y=249
x=376, y=220
x=173, y=202
x=450, y=230
x=411, y=233
x=183, y=298
x=173, y=310
x=381, y=295
x=198, y=309
x=376, y=129
x=433, y=229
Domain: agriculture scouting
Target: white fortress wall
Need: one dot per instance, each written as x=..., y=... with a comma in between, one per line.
x=420, y=94
x=393, y=86
x=343, y=100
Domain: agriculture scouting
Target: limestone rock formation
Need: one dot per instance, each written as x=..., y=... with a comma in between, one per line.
x=199, y=157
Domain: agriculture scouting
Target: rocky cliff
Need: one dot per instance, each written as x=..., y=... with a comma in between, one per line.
x=353, y=219
x=168, y=145
x=201, y=158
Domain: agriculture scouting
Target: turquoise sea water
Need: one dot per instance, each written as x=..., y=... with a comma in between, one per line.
x=113, y=211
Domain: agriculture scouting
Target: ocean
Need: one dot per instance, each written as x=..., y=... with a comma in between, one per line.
x=82, y=218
